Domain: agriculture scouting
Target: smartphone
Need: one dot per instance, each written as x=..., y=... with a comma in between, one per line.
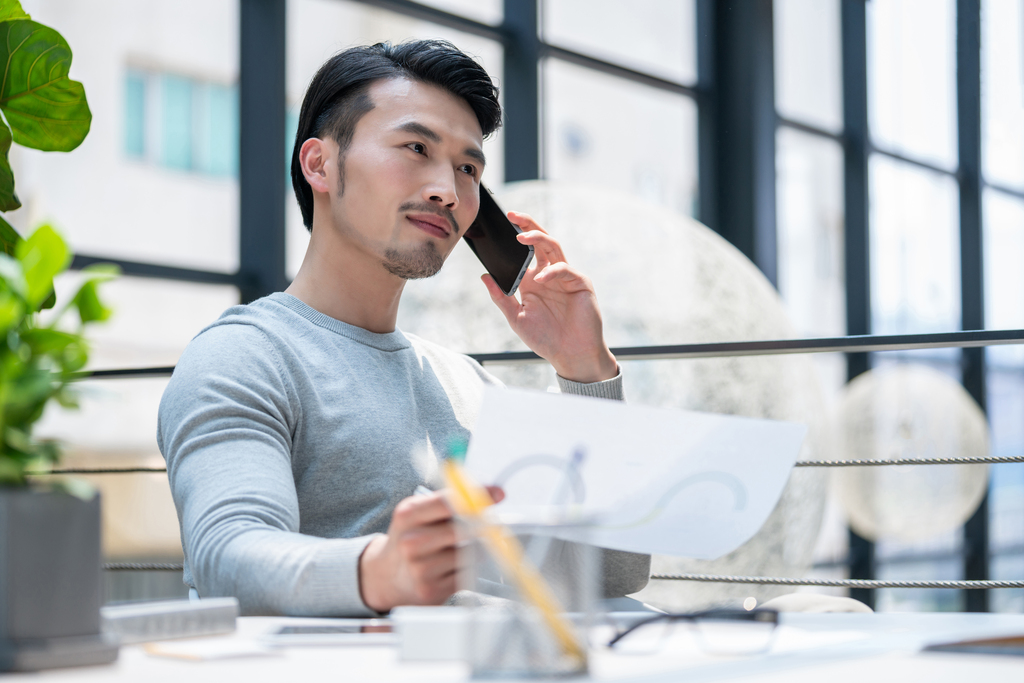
x=492, y=237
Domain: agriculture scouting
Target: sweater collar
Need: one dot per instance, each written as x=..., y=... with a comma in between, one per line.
x=390, y=341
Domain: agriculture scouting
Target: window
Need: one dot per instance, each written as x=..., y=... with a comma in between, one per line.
x=653, y=36
x=591, y=136
x=195, y=122
x=135, y=114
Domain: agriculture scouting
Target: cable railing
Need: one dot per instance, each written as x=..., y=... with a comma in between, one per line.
x=850, y=344
x=853, y=344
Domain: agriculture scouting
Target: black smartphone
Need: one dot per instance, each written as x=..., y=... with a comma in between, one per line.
x=492, y=237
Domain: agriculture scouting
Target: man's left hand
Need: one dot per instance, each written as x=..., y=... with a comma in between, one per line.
x=558, y=316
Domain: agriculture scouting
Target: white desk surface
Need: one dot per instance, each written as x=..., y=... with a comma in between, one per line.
x=827, y=648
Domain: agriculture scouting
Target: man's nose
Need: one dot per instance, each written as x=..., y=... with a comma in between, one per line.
x=441, y=190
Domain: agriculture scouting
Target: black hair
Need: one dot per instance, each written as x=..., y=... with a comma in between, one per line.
x=338, y=96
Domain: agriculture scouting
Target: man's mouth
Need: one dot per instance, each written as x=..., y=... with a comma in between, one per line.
x=430, y=224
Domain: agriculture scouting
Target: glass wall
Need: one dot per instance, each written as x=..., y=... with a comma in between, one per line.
x=914, y=224
x=1002, y=55
x=653, y=36
x=156, y=182
x=601, y=131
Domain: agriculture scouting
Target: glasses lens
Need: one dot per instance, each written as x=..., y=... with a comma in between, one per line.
x=723, y=636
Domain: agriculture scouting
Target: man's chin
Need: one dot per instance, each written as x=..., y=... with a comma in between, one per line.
x=417, y=264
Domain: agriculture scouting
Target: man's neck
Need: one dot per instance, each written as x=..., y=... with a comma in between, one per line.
x=339, y=281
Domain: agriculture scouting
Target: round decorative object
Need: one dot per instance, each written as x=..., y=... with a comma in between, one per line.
x=910, y=412
x=661, y=278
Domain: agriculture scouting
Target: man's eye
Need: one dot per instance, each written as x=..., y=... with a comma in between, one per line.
x=418, y=147
x=468, y=169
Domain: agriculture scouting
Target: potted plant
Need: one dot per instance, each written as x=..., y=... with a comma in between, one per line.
x=50, y=563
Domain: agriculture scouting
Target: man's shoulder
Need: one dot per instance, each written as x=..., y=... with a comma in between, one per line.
x=448, y=361
x=426, y=347
x=244, y=338
x=243, y=326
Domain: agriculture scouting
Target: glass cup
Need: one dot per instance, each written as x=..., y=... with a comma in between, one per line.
x=532, y=597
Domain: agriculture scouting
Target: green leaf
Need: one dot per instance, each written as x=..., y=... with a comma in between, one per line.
x=102, y=271
x=8, y=200
x=68, y=398
x=49, y=302
x=45, y=109
x=11, y=311
x=12, y=471
x=12, y=274
x=9, y=237
x=29, y=390
x=11, y=10
x=43, y=255
x=75, y=356
x=90, y=308
x=45, y=341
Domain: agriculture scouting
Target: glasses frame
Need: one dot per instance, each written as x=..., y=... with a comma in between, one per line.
x=767, y=616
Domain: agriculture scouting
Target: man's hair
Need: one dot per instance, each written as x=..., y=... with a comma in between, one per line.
x=337, y=97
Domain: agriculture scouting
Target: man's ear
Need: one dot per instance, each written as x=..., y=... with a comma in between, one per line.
x=313, y=156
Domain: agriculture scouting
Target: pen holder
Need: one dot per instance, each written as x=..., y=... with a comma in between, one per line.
x=528, y=621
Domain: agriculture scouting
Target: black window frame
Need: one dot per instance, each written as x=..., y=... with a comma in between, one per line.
x=737, y=128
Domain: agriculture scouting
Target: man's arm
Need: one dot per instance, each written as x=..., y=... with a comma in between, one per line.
x=559, y=319
x=225, y=431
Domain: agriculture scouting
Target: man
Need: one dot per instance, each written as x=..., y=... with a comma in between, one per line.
x=296, y=428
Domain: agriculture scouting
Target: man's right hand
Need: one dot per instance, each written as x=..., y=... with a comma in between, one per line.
x=415, y=563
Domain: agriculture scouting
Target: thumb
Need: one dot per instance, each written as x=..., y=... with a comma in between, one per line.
x=508, y=305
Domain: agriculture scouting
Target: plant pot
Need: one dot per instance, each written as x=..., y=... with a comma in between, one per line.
x=50, y=581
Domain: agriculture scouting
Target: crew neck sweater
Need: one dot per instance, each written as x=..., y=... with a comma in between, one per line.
x=290, y=437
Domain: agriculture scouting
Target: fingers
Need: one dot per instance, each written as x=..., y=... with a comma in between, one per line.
x=430, y=558
x=434, y=578
x=508, y=305
x=418, y=511
x=424, y=541
x=435, y=591
x=525, y=222
x=562, y=272
x=546, y=247
x=497, y=493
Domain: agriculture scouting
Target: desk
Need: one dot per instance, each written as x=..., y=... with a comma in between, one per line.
x=861, y=648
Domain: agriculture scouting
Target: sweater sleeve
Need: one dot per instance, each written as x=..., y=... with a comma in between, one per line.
x=225, y=426
x=622, y=572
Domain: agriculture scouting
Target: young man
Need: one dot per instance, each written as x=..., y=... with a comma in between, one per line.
x=296, y=428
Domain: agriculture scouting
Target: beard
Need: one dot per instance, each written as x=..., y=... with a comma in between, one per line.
x=415, y=264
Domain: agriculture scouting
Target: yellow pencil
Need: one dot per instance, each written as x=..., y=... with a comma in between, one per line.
x=470, y=500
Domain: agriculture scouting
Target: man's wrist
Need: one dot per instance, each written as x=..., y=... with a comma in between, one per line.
x=371, y=589
x=583, y=371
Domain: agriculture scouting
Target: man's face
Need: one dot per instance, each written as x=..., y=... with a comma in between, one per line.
x=408, y=186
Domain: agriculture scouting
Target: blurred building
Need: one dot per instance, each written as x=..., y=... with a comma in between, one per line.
x=830, y=140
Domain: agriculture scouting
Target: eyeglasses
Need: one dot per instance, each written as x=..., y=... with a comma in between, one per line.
x=720, y=632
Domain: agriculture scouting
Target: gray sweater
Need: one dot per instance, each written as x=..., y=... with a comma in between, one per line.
x=290, y=437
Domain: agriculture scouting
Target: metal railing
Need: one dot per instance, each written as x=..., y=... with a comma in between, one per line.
x=852, y=344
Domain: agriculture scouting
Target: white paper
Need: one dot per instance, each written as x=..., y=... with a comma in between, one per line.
x=659, y=481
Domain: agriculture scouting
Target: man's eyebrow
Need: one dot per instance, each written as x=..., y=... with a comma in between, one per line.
x=476, y=154
x=420, y=129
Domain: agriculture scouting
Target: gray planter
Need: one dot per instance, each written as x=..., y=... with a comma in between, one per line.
x=50, y=581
